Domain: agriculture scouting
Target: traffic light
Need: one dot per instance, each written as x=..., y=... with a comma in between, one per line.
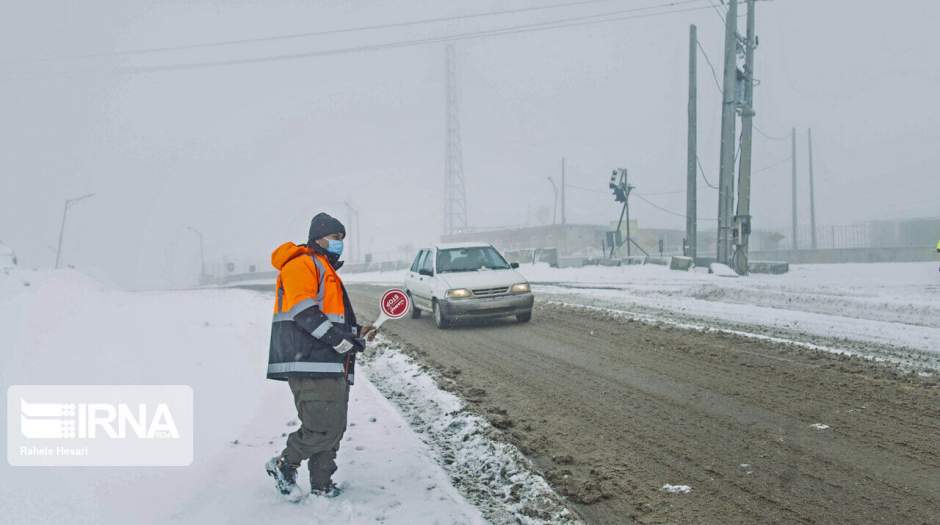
x=620, y=192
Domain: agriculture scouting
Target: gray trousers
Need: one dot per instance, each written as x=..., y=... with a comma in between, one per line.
x=321, y=407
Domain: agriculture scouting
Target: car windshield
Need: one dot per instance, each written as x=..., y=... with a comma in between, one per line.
x=470, y=259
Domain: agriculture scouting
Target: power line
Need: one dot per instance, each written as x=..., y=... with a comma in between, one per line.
x=307, y=34
x=774, y=165
x=701, y=170
x=642, y=196
x=769, y=137
x=718, y=12
x=657, y=206
x=660, y=208
x=508, y=30
x=710, y=66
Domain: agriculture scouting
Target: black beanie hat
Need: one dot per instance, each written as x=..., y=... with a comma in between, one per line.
x=323, y=225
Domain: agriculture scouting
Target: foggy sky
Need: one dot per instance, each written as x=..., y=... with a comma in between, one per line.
x=248, y=153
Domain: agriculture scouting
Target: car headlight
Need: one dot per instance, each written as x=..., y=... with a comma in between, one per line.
x=520, y=288
x=459, y=293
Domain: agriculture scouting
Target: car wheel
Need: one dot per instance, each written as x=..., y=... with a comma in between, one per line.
x=440, y=320
x=524, y=317
x=415, y=311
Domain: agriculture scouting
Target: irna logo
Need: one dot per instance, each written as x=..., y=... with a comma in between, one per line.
x=90, y=420
x=100, y=425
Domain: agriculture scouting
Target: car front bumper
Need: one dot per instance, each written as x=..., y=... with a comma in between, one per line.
x=501, y=305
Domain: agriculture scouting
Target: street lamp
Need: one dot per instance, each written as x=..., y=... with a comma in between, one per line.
x=202, y=254
x=555, y=203
x=65, y=214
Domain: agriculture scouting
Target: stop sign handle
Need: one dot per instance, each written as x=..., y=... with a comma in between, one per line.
x=380, y=320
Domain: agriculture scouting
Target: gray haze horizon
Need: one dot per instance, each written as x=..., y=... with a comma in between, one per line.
x=248, y=153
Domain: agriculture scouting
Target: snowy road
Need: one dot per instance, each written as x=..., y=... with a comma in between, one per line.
x=618, y=413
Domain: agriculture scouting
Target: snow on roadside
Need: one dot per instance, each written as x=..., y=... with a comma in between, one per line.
x=494, y=475
x=907, y=293
x=65, y=328
x=676, y=489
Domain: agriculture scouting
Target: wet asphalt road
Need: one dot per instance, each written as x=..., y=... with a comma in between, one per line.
x=612, y=410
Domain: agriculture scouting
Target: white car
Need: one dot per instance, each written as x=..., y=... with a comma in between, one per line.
x=466, y=280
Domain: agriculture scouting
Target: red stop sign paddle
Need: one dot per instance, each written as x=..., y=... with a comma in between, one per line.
x=395, y=304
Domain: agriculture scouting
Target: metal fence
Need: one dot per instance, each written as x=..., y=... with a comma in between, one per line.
x=873, y=234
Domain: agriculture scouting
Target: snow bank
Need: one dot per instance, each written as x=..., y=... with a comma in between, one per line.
x=494, y=475
x=66, y=329
x=893, y=292
x=882, y=306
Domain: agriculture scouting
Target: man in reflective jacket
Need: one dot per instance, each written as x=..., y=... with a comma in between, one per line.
x=314, y=340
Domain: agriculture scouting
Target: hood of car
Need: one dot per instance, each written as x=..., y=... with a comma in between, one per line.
x=481, y=279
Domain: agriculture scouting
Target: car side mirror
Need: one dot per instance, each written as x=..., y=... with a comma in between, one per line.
x=425, y=271
x=513, y=265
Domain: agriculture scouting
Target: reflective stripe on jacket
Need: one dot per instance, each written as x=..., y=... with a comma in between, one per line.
x=311, y=315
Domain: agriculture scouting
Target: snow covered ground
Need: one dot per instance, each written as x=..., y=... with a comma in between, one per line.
x=871, y=309
x=495, y=475
x=64, y=328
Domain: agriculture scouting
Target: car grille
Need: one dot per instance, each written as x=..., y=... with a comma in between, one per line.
x=486, y=292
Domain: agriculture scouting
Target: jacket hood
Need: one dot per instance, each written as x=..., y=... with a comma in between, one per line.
x=285, y=252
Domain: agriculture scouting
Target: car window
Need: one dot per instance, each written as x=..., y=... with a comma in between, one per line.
x=421, y=255
x=426, y=262
x=470, y=259
x=417, y=262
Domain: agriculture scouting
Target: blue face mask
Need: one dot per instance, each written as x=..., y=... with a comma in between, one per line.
x=335, y=247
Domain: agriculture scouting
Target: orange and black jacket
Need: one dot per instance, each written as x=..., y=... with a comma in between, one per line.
x=312, y=314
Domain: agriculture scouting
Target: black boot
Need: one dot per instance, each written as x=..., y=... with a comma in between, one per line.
x=285, y=476
x=329, y=491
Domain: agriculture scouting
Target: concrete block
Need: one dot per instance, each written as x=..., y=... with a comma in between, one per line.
x=772, y=267
x=571, y=262
x=681, y=263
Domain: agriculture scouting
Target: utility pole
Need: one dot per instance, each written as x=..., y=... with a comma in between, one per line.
x=563, y=189
x=728, y=117
x=812, y=189
x=554, y=202
x=626, y=209
x=795, y=245
x=742, y=219
x=691, y=196
x=65, y=213
x=455, y=195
